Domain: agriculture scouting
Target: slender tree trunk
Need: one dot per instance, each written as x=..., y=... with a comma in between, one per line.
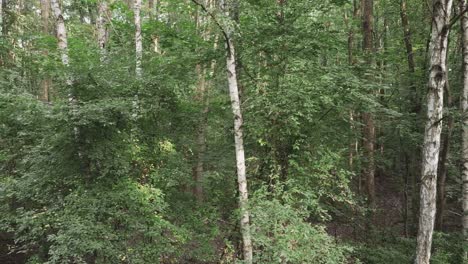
x=240, y=158
x=201, y=135
x=138, y=55
x=368, y=118
x=62, y=39
x=61, y=32
x=407, y=36
x=102, y=33
x=413, y=169
x=138, y=43
x=4, y=4
x=46, y=82
x=464, y=28
x=442, y=171
x=154, y=15
x=353, y=144
x=431, y=147
x=1, y=18
x=203, y=97
x=238, y=136
x=411, y=162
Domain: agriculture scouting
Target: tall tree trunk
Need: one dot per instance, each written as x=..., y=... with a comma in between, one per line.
x=204, y=87
x=353, y=144
x=442, y=170
x=46, y=82
x=138, y=43
x=102, y=33
x=154, y=15
x=431, y=147
x=240, y=158
x=138, y=55
x=231, y=10
x=4, y=8
x=61, y=32
x=412, y=170
x=464, y=28
x=368, y=118
x=62, y=39
x=203, y=97
x=407, y=36
x=1, y=18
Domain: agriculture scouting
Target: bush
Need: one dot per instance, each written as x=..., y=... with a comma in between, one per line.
x=280, y=235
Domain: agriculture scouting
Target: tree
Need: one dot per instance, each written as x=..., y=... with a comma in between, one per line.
x=46, y=82
x=464, y=30
x=102, y=32
x=368, y=119
x=61, y=32
x=138, y=43
x=230, y=10
x=202, y=96
x=1, y=17
x=441, y=10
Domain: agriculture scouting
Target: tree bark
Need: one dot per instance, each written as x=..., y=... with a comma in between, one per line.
x=368, y=118
x=407, y=36
x=4, y=8
x=203, y=97
x=240, y=157
x=464, y=28
x=415, y=108
x=46, y=82
x=102, y=33
x=61, y=32
x=201, y=134
x=238, y=136
x=442, y=170
x=138, y=55
x=154, y=15
x=1, y=18
x=138, y=42
x=431, y=147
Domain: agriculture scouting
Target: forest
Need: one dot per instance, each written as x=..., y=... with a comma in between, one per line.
x=234, y=131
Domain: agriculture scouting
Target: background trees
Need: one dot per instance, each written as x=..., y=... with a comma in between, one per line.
x=85, y=180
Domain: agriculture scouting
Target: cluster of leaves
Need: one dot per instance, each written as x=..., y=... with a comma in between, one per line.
x=281, y=235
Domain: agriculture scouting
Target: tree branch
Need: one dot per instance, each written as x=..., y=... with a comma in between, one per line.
x=218, y=24
x=455, y=19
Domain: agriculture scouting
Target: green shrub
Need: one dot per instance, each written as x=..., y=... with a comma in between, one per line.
x=280, y=235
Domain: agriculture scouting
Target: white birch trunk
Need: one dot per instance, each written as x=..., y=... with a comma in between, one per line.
x=45, y=15
x=431, y=147
x=63, y=47
x=138, y=54
x=154, y=16
x=1, y=17
x=102, y=32
x=238, y=140
x=138, y=43
x=240, y=156
x=61, y=32
x=464, y=25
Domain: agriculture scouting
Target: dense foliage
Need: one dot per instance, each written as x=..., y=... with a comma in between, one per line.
x=112, y=177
